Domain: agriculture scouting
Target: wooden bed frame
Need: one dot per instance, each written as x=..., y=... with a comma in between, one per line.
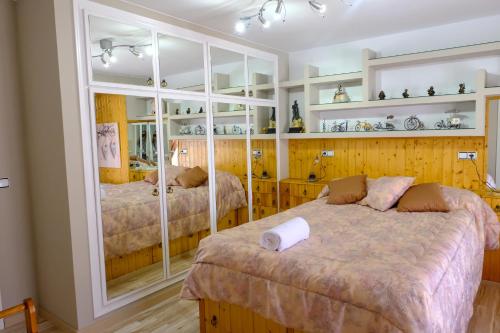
x=119, y=266
x=230, y=318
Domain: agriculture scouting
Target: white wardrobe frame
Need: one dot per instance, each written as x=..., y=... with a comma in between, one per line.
x=88, y=87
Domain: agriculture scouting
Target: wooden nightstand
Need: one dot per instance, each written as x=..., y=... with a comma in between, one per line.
x=294, y=192
x=491, y=265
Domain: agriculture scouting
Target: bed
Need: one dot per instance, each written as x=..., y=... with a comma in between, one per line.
x=131, y=213
x=361, y=270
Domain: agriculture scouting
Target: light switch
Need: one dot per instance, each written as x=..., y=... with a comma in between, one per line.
x=4, y=182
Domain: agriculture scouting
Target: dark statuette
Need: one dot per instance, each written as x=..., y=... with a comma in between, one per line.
x=406, y=94
x=176, y=111
x=188, y=111
x=461, y=88
x=201, y=109
x=431, y=91
x=381, y=95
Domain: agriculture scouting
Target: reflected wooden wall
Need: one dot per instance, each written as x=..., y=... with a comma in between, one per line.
x=113, y=109
x=428, y=159
x=230, y=155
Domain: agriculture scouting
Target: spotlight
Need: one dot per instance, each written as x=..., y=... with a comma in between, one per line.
x=278, y=13
x=112, y=59
x=240, y=27
x=317, y=6
x=104, y=62
x=265, y=23
x=135, y=52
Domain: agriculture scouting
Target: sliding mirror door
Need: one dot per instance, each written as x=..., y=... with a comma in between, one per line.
x=261, y=78
x=263, y=162
x=126, y=148
x=228, y=72
x=230, y=157
x=186, y=179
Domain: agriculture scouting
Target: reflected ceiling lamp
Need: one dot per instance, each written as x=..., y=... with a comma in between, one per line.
x=107, y=57
x=278, y=13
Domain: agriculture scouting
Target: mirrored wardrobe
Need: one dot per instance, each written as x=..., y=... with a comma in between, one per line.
x=173, y=161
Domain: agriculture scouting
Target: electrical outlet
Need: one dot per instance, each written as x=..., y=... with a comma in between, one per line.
x=327, y=153
x=184, y=151
x=467, y=155
x=257, y=153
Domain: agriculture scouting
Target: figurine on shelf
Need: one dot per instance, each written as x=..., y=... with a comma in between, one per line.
x=341, y=95
x=339, y=127
x=297, y=122
x=406, y=94
x=272, y=123
x=461, y=88
x=363, y=126
x=149, y=82
x=412, y=123
x=381, y=95
x=176, y=111
x=431, y=91
x=188, y=111
x=201, y=109
x=163, y=83
x=199, y=130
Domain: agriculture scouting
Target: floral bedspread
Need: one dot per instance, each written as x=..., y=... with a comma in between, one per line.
x=361, y=270
x=131, y=213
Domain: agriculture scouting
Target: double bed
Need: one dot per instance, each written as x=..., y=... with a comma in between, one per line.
x=361, y=270
x=131, y=213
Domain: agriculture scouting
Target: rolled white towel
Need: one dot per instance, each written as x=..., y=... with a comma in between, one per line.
x=285, y=235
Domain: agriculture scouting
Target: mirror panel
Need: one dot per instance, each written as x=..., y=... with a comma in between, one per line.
x=121, y=53
x=261, y=78
x=127, y=154
x=230, y=156
x=264, y=162
x=493, y=176
x=182, y=64
x=228, y=72
x=188, y=204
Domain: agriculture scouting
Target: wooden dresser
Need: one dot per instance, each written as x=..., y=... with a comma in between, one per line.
x=264, y=198
x=491, y=267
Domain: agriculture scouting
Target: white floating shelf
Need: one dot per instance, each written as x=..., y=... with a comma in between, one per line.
x=188, y=116
x=425, y=100
x=384, y=134
x=354, y=77
x=188, y=137
x=231, y=91
x=292, y=84
x=230, y=114
x=197, y=88
x=262, y=87
x=478, y=50
x=148, y=118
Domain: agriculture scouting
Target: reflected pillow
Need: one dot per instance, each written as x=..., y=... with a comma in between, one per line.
x=423, y=198
x=152, y=177
x=171, y=174
x=325, y=191
x=347, y=190
x=192, y=178
x=384, y=192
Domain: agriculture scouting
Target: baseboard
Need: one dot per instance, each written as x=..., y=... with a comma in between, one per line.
x=14, y=320
x=61, y=324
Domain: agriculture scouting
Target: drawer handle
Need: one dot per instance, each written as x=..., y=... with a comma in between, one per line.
x=305, y=192
x=254, y=210
x=258, y=188
x=497, y=208
x=262, y=211
x=274, y=202
x=287, y=190
x=274, y=189
x=230, y=222
x=213, y=322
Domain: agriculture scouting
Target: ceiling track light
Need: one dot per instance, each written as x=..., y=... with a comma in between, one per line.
x=107, y=57
x=279, y=13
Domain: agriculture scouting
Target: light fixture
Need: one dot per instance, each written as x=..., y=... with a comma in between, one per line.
x=107, y=57
x=317, y=6
x=278, y=13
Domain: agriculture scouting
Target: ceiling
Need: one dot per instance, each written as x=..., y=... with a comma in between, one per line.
x=305, y=29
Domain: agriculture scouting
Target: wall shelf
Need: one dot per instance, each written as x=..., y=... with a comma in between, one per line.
x=354, y=77
x=383, y=134
x=292, y=84
x=188, y=116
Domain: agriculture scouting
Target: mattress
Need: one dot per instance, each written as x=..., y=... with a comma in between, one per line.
x=131, y=213
x=361, y=270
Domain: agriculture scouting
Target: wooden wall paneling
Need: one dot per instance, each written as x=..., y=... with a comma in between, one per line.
x=429, y=159
x=113, y=109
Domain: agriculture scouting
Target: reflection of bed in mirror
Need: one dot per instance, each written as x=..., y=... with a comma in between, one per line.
x=131, y=220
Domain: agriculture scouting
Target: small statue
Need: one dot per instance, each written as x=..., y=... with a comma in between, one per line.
x=201, y=109
x=406, y=94
x=461, y=88
x=297, y=122
x=431, y=91
x=176, y=111
x=188, y=111
x=163, y=83
x=381, y=95
x=149, y=82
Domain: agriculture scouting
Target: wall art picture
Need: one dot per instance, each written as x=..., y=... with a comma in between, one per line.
x=108, y=145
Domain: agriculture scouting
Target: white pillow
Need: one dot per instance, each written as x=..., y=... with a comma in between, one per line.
x=384, y=192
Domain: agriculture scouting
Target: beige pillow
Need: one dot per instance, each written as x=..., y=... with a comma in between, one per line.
x=386, y=191
x=192, y=178
x=423, y=198
x=347, y=190
x=152, y=177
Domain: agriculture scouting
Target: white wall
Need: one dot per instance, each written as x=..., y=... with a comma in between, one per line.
x=17, y=264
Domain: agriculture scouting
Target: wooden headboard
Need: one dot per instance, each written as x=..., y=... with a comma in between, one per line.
x=432, y=159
